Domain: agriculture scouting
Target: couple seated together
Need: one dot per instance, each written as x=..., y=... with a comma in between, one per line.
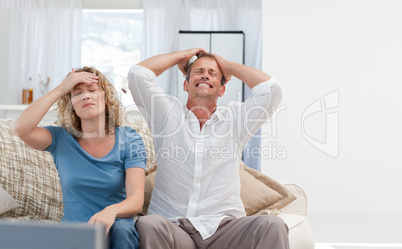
x=196, y=200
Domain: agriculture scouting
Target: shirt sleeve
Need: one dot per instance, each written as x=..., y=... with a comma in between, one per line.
x=56, y=132
x=154, y=104
x=135, y=156
x=141, y=82
x=264, y=87
x=258, y=108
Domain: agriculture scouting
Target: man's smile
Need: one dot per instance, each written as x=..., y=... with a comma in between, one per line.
x=203, y=84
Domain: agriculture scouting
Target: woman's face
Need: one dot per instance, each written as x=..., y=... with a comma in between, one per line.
x=88, y=100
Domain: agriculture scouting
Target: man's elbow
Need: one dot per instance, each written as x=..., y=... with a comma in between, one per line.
x=276, y=93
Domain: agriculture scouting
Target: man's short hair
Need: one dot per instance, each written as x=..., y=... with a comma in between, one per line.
x=209, y=55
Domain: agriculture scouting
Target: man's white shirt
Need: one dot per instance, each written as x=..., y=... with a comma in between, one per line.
x=198, y=169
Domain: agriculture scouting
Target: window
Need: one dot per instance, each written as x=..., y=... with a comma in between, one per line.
x=111, y=42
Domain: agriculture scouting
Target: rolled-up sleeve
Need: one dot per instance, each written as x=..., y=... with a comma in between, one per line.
x=258, y=108
x=141, y=84
x=154, y=104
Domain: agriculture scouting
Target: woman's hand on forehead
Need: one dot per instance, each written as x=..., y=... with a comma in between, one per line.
x=75, y=78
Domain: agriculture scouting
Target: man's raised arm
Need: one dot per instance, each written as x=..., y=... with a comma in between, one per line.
x=249, y=75
x=159, y=63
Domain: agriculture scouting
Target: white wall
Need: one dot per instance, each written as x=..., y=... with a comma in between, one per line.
x=10, y=57
x=353, y=47
x=4, y=54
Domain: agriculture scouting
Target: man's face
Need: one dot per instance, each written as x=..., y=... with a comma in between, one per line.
x=205, y=79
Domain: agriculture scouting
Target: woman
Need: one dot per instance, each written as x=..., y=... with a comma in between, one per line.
x=100, y=164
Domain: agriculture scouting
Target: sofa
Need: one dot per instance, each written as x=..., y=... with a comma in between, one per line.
x=30, y=188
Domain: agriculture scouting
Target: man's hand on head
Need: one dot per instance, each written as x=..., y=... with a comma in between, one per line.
x=186, y=55
x=225, y=67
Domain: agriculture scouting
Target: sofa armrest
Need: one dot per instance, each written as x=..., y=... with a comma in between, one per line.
x=294, y=215
x=298, y=206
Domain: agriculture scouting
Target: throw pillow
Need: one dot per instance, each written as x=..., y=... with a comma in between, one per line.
x=255, y=194
x=264, y=198
x=7, y=202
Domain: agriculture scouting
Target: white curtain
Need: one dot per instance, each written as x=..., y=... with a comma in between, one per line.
x=162, y=21
x=164, y=18
x=50, y=40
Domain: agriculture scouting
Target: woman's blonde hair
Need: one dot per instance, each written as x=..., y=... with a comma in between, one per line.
x=113, y=108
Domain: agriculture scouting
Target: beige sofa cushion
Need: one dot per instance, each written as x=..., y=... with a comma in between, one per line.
x=30, y=177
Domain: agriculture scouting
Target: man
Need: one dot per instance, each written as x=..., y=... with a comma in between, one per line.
x=196, y=199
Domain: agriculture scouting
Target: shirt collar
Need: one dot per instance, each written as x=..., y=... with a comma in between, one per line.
x=218, y=114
